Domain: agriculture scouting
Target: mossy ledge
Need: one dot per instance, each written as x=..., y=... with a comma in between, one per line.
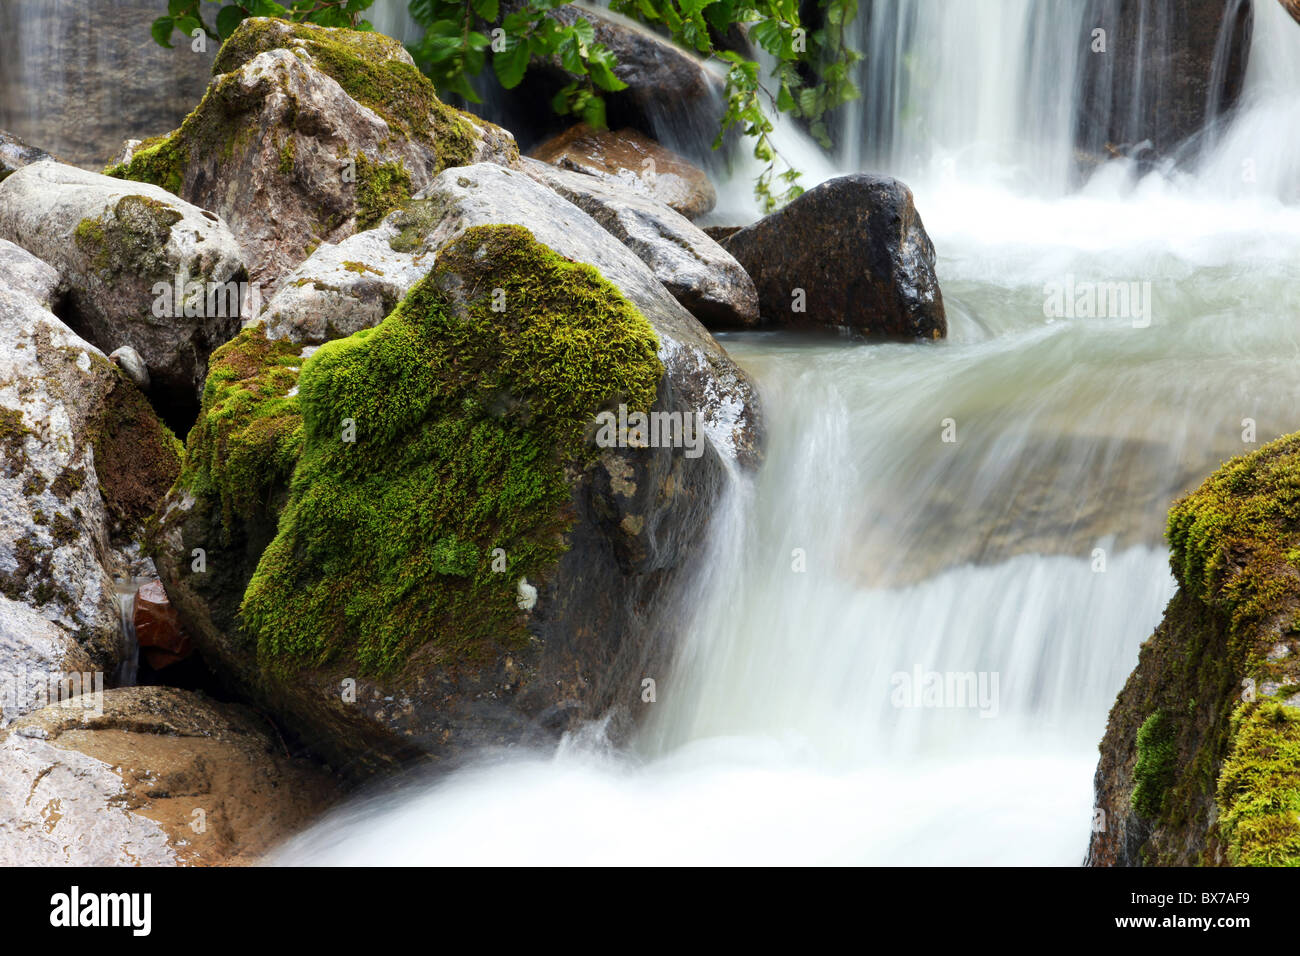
x=1209, y=717
x=470, y=424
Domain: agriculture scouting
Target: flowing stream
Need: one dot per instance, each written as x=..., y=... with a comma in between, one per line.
x=1025, y=556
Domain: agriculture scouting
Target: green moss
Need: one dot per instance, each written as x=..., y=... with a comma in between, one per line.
x=374, y=71
x=1232, y=543
x=249, y=429
x=1259, y=788
x=360, y=268
x=63, y=530
x=13, y=435
x=1154, y=770
x=160, y=161
x=288, y=150
x=466, y=420
x=381, y=188
x=137, y=458
x=414, y=221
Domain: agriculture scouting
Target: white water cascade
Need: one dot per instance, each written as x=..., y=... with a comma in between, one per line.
x=1027, y=552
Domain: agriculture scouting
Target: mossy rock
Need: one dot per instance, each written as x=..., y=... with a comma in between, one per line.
x=324, y=136
x=465, y=421
x=443, y=529
x=1201, y=744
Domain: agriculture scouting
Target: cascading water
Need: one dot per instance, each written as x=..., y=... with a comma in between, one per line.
x=1025, y=555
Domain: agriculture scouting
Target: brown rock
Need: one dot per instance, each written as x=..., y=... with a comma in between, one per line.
x=1292, y=7
x=152, y=776
x=632, y=160
x=158, y=628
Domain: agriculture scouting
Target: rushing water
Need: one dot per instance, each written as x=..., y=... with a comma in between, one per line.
x=870, y=551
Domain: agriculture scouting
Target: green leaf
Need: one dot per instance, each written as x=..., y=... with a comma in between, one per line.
x=228, y=19
x=162, y=31
x=593, y=113
x=511, y=64
x=487, y=9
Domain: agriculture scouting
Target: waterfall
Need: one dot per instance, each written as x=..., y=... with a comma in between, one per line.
x=1021, y=564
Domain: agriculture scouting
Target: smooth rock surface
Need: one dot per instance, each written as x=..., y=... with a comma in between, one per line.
x=700, y=274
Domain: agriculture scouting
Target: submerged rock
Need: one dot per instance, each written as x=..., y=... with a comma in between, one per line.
x=149, y=776
x=850, y=255
x=634, y=162
x=1200, y=764
x=308, y=134
x=699, y=273
x=140, y=266
x=421, y=540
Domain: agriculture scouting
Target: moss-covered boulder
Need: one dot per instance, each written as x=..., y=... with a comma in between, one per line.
x=141, y=267
x=307, y=134
x=83, y=462
x=1201, y=759
x=417, y=540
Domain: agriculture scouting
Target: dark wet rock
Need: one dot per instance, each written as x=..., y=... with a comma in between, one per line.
x=1166, y=68
x=158, y=629
x=79, y=76
x=699, y=273
x=853, y=254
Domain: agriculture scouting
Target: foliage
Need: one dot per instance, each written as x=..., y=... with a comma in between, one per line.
x=809, y=72
x=186, y=16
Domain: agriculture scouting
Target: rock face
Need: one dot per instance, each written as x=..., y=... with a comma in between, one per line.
x=1200, y=764
x=418, y=541
x=149, y=776
x=699, y=273
x=308, y=134
x=83, y=461
x=15, y=154
x=79, y=76
x=27, y=275
x=117, y=246
x=635, y=162
x=851, y=254
x=1166, y=67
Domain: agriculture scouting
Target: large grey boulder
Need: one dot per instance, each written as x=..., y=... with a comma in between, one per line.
x=850, y=255
x=700, y=274
x=140, y=265
x=308, y=134
x=54, y=528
